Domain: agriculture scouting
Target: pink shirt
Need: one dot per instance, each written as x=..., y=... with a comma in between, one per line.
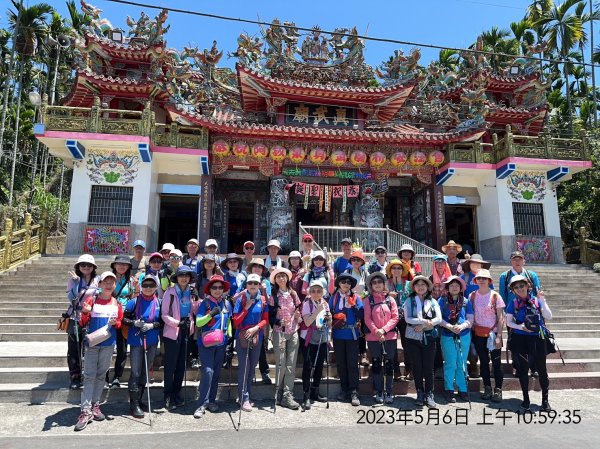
x=485, y=312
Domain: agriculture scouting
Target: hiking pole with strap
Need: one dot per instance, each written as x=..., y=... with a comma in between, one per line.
x=463, y=365
x=383, y=356
x=147, y=379
x=327, y=360
x=279, y=376
x=244, y=384
x=185, y=369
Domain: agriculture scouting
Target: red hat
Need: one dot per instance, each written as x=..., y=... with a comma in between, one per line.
x=307, y=236
x=213, y=279
x=155, y=256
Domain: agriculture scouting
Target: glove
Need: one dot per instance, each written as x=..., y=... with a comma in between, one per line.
x=215, y=311
x=65, y=315
x=184, y=324
x=147, y=326
x=139, y=323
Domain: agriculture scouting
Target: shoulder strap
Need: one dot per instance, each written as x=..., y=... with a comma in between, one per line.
x=506, y=279
x=171, y=305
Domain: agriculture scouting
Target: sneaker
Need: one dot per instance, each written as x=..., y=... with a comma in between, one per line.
x=178, y=400
x=534, y=373
x=546, y=406
x=97, y=413
x=354, y=399
x=199, y=412
x=420, y=400
x=525, y=405
x=213, y=407
x=266, y=380
x=379, y=398
x=429, y=400
x=364, y=360
x=389, y=399
x=487, y=393
x=75, y=383
x=289, y=402
x=107, y=385
x=116, y=383
x=247, y=406
x=84, y=419
x=195, y=364
x=342, y=396
x=449, y=396
x=315, y=395
x=497, y=395
x=169, y=404
x=463, y=396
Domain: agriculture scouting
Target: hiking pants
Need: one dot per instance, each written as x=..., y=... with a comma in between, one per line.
x=121, y=356
x=96, y=363
x=525, y=349
x=455, y=368
x=346, y=360
x=211, y=362
x=377, y=359
x=137, y=378
x=74, y=353
x=407, y=360
x=422, y=363
x=314, y=355
x=285, y=347
x=174, y=365
x=253, y=356
x=484, y=362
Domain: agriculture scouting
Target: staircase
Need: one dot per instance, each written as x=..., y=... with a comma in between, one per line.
x=33, y=364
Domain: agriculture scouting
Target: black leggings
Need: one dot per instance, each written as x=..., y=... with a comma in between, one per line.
x=422, y=357
x=74, y=354
x=484, y=362
x=407, y=360
x=527, y=349
x=310, y=353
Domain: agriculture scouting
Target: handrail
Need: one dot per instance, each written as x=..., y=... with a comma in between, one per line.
x=18, y=246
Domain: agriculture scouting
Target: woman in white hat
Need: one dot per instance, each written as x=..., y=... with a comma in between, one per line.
x=273, y=260
x=410, y=268
x=319, y=271
x=284, y=318
x=526, y=315
x=488, y=307
x=297, y=269
x=101, y=314
x=423, y=315
x=80, y=282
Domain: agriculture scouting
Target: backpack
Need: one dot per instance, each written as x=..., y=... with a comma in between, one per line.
x=387, y=301
x=273, y=310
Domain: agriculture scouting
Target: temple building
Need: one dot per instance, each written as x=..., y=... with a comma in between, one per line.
x=166, y=144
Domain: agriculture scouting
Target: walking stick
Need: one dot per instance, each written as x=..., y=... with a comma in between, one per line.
x=279, y=376
x=327, y=360
x=185, y=370
x=147, y=379
x=244, y=385
x=383, y=356
x=463, y=365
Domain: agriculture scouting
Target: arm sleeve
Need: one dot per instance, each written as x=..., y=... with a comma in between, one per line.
x=546, y=312
x=510, y=322
x=71, y=295
x=409, y=319
x=391, y=324
x=119, y=317
x=201, y=316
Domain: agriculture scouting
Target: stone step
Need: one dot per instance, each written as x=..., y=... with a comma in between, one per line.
x=8, y=310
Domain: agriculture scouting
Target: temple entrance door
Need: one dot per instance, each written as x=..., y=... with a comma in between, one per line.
x=312, y=217
x=460, y=227
x=178, y=219
x=241, y=226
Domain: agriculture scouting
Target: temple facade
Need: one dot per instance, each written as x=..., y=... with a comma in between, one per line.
x=167, y=144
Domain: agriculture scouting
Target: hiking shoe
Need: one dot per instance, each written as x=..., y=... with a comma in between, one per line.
x=306, y=401
x=315, y=395
x=389, y=399
x=178, y=400
x=246, y=406
x=534, y=373
x=449, y=397
x=342, y=396
x=97, y=413
x=116, y=383
x=199, y=413
x=379, y=398
x=463, y=396
x=169, y=404
x=525, y=405
x=497, y=395
x=213, y=407
x=107, y=385
x=288, y=402
x=429, y=400
x=364, y=360
x=354, y=399
x=487, y=393
x=84, y=419
x=195, y=364
x=266, y=380
x=420, y=400
x=546, y=406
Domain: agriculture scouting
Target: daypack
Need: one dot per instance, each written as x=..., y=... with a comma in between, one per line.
x=387, y=301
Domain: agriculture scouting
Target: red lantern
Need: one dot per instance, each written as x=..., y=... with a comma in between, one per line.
x=377, y=159
x=435, y=158
x=417, y=158
x=220, y=148
x=241, y=149
x=398, y=159
x=297, y=155
x=317, y=156
x=278, y=153
x=338, y=158
x=260, y=151
x=358, y=158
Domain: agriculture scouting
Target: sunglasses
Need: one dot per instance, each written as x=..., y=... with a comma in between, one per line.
x=156, y=260
x=252, y=283
x=319, y=259
x=148, y=285
x=520, y=286
x=248, y=247
x=175, y=258
x=379, y=252
x=355, y=260
x=346, y=281
x=85, y=265
x=376, y=281
x=216, y=287
x=481, y=279
x=307, y=241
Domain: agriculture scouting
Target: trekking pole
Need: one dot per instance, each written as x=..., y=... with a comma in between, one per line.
x=383, y=356
x=314, y=365
x=279, y=376
x=147, y=379
x=185, y=371
x=244, y=385
x=463, y=366
x=327, y=361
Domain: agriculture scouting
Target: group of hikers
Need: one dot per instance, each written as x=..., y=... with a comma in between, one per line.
x=195, y=309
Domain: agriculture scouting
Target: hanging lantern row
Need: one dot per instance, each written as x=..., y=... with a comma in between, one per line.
x=318, y=155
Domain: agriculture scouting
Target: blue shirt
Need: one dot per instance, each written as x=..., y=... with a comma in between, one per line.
x=235, y=282
x=340, y=265
x=353, y=314
x=445, y=308
x=215, y=323
x=185, y=301
x=254, y=315
x=134, y=336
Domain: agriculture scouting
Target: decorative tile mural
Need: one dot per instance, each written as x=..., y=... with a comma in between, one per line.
x=527, y=186
x=106, y=240
x=113, y=167
x=535, y=250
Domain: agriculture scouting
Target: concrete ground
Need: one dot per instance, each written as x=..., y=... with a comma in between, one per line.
x=51, y=425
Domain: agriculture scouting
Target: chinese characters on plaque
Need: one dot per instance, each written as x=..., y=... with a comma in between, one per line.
x=320, y=115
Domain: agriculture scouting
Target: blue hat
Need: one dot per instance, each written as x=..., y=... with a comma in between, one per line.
x=184, y=269
x=139, y=243
x=440, y=257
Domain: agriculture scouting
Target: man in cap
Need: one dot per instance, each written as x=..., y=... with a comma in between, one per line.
x=451, y=249
x=249, y=248
x=138, y=260
x=308, y=243
x=211, y=247
x=273, y=261
x=191, y=258
x=342, y=263
x=380, y=262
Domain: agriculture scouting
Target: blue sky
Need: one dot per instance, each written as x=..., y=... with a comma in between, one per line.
x=455, y=23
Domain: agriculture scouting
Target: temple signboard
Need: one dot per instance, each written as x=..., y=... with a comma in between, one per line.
x=320, y=115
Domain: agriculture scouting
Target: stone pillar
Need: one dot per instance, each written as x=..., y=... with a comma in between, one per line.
x=438, y=216
x=368, y=214
x=280, y=211
x=205, y=209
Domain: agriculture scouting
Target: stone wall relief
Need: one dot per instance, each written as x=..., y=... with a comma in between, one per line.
x=112, y=167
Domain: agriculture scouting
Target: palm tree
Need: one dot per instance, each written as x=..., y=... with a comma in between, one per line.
x=523, y=35
x=448, y=59
x=76, y=20
x=564, y=32
x=535, y=12
x=494, y=42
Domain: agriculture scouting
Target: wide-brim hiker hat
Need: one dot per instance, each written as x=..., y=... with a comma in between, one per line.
x=209, y=257
x=517, y=278
x=421, y=278
x=231, y=256
x=167, y=247
x=275, y=272
x=483, y=273
x=121, y=259
x=358, y=254
x=213, y=279
x=458, y=279
x=257, y=261
x=86, y=258
x=345, y=277
x=274, y=243
x=406, y=247
x=182, y=271
x=392, y=263
x=466, y=265
x=376, y=274
x=315, y=283
x=451, y=244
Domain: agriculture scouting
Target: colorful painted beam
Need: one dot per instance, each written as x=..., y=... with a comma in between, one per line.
x=557, y=173
x=76, y=149
x=444, y=176
x=505, y=170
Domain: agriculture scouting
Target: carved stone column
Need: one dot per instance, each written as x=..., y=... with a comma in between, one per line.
x=280, y=211
x=368, y=214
